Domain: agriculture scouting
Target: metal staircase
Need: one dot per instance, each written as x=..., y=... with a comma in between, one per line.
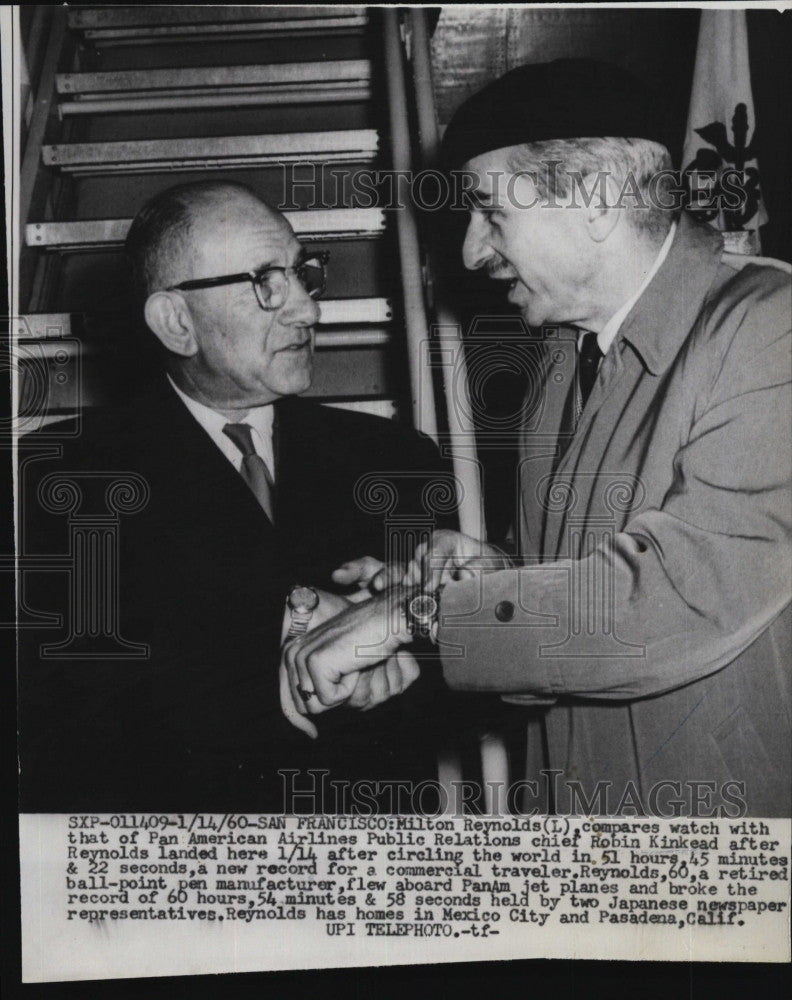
x=162, y=25
x=213, y=87
x=295, y=102
x=333, y=224
x=129, y=100
x=104, y=117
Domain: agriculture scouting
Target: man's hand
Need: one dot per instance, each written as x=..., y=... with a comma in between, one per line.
x=370, y=576
x=364, y=686
x=374, y=686
x=329, y=606
x=291, y=705
x=451, y=555
x=324, y=666
x=387, y=680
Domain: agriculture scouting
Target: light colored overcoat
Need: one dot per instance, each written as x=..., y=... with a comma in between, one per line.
x=651, y=618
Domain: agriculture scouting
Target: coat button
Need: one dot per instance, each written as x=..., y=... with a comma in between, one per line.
x=504, y=611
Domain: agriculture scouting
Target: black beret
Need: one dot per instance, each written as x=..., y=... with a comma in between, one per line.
x=564, y=99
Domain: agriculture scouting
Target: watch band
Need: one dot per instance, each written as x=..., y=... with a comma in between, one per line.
x=421, y=611
x=302, y=602
x=299, y=624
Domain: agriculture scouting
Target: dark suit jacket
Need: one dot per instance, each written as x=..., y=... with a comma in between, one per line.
x=201, y=579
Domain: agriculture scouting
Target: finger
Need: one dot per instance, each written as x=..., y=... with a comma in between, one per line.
x=301, y=722
x=395, y=680
x=359, y=571
x=389, y=576
x=289, y=675
x=359, y=596
x=451, y=552
x=290, y=709
x=377, y=686
x=360, y=696
x=302, y=682
x=394, y=676
x=408, y=666
x=412, y=575
x=330, y=693
x=305, y=681
x=333, y=674
x=455, y=570
x=435, y=571
x=435, y=563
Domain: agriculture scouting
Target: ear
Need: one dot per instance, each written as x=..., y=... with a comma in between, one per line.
x=168, y=316
x=603, y=209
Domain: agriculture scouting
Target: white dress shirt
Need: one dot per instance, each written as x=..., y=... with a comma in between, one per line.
x=608, y=333
x=260, y=419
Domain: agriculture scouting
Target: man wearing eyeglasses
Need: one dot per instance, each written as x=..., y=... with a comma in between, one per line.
x=237, y=339
x=251, y=491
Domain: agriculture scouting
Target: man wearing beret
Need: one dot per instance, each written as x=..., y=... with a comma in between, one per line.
x=645, y=624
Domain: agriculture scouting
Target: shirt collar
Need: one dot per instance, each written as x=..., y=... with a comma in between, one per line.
x=208, y=418
x=608, y=333
x=661, y=319
x=260, y=419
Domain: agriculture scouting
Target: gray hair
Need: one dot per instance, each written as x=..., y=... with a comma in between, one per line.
x=642, y=169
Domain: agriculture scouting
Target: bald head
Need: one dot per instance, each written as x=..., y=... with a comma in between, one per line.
x=197, y=251
x=169, y=230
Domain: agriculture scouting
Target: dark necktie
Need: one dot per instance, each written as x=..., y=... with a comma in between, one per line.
x=589, y=356
x=589, y=359
x=254, y=469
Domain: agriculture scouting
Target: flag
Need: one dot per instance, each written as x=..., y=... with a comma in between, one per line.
x=719, y=157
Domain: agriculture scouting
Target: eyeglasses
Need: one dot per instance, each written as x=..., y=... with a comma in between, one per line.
x=271, y=283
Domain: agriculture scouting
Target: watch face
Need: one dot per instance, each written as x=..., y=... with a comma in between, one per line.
x=303, y=599
x=423, y=607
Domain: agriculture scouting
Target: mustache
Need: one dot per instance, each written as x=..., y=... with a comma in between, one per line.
x=496, y=268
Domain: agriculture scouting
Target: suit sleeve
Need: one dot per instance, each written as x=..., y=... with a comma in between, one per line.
x=685, y=587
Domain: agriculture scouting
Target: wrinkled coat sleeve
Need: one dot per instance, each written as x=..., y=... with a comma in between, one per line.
x=691, y=582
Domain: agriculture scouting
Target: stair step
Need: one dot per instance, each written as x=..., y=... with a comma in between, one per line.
x=50, y=327
x=154, y=155
x=326, y=339
x=51, y=346
x=124, y=25
x=214, y=86
x=387, y=408
x=353, y=312
x=313, y=226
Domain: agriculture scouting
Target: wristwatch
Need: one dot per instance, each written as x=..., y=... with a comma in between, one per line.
x=421, y=611
x=301, y=602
